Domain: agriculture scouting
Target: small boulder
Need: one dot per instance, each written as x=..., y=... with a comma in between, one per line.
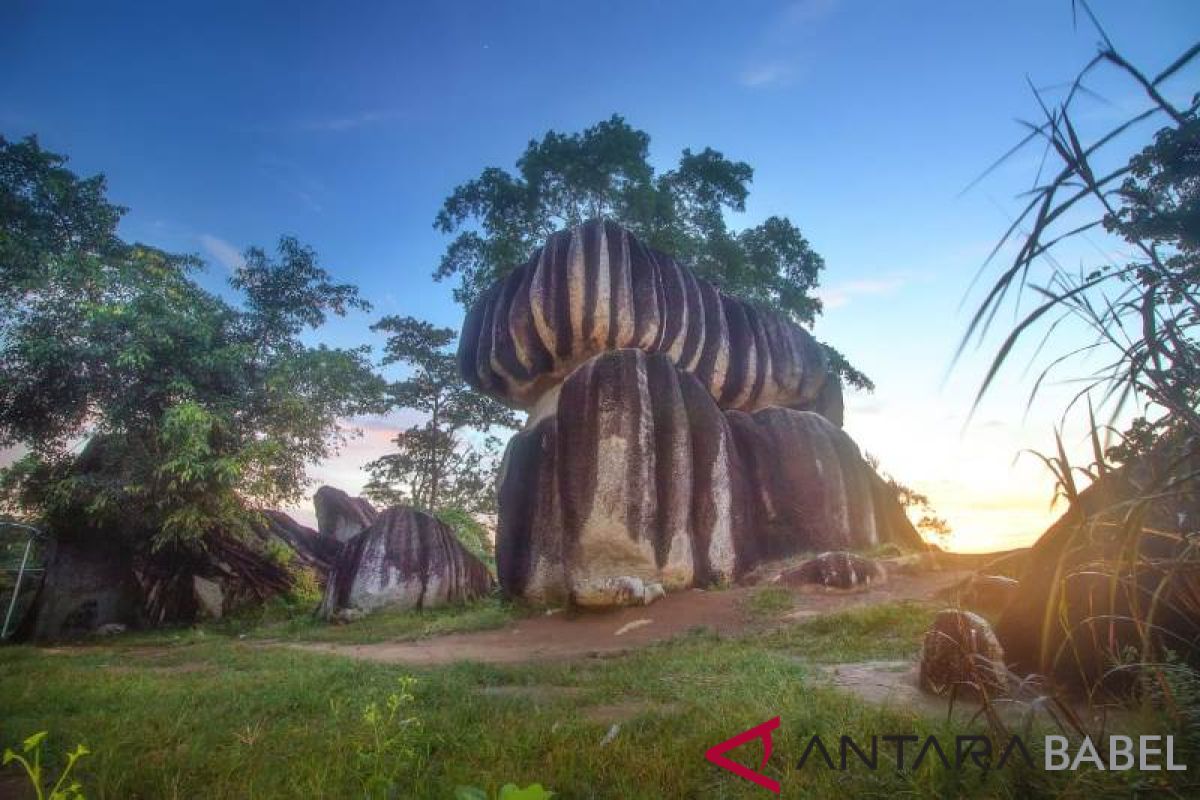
x=960, y=652
x=835, y=570
x=406, y=559
x=111, y=629
x=210, y=597
x=346, y=616
x=615, y=592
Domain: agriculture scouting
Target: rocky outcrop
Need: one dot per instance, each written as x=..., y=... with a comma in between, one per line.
x=960, y=653
x=836, y=570
x=406, y=559
x=234, y=572
x=94, y=577
x=341, y=517
x=677, y=437
x=597, y=288
x=1116, y=573
x=89, y=582
x=990, y=594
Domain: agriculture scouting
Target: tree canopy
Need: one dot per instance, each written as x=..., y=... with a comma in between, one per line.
x=500, y=218
x=436, y=467
x=189, y=410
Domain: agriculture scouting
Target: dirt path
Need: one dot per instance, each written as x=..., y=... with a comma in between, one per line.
x=561, y=636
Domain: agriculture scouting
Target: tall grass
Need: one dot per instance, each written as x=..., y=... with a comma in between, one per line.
x=1124, y=582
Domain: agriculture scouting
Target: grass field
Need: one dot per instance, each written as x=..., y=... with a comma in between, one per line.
x=206, y=715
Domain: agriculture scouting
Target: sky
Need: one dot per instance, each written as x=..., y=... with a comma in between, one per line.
x=226, y=125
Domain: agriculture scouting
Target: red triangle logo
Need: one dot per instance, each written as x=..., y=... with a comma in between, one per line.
x=762, y=731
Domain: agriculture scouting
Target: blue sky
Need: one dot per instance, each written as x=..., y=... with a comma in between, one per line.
x=223, y=125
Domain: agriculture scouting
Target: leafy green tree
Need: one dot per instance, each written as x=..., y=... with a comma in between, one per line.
x=436, y=466
x=500, y=218
x=190, y=411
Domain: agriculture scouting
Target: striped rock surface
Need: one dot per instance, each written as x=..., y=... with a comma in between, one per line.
x=404, y=559
x=812, y=488
x=636, y=482
x=596, y=288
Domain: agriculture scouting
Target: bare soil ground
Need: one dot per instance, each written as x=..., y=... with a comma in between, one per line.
x=566, y=636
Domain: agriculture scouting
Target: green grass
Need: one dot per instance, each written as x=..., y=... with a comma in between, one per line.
x=885, y=631
x=767, y=602
x=287, y=622
x=385, y=626
x=214, y=717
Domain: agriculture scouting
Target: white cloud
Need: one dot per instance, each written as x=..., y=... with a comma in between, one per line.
x=222, y=252
x=350, y=122
x=775, y=63
x=775, y=74
x=804, y=12
x=841, y=294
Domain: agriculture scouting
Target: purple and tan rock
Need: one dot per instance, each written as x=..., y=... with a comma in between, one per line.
x=677, y=437
x=406, y=559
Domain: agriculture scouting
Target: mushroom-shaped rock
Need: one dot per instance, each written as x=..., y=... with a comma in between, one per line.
x=340, y=516
x=677, y=437
x=597, y=288
x=405, y=559
x=961, y=653
x=835, y=570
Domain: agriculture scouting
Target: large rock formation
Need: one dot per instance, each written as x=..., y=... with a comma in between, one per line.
x=627, y=486
x=677, y=437
x=341, y=517
x=405, y=559
x=94, y=578
x=310, y=548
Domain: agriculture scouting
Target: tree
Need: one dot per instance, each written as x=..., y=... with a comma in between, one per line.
x=436, y=466
x=565, y=179
x=192, y=412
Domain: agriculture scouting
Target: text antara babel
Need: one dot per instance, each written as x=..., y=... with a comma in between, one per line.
x=1145, y=753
